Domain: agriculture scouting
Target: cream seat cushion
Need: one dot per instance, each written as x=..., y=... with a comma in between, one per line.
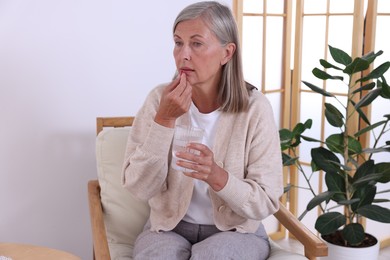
x=125, y=216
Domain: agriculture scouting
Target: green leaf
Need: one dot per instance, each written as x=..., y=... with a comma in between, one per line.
x=340, y=165
x=317, y=200
x=375, y=212
x=333, y=115
x=347, y=202
x=290, y=139
x=322, y=158
x=330, y=222
x=309, y=139
x=314, y=167
x=383, y=191
x=308, y=123
x=288, y=160
x=366, y=168
x=317, y=89
x=285, y=137
x=328, y=65
x=371, y=56
x=302, y=215
x=324, y=76
x=381, y=200
x=340, y=56
x=367, y=179
x=369, y=128
x=357, y=65
x=377, y=72
x=335, y=184
x=353, y=233
x=369, y=86
x=385, y=88
x=361, y=113
x=335, y=143
x=377, y=150
x=300, y=128
x=365, y=194
x=367, y=99
x=384, y=169
x=362, y=63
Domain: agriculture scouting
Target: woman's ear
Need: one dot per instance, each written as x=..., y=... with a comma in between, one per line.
x=228, y=52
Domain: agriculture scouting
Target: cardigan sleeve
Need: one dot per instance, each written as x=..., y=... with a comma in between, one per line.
x=145, y=165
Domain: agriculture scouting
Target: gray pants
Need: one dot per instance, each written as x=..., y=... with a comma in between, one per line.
x=201, y=242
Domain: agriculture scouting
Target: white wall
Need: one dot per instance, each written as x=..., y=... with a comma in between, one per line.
x=62, y=64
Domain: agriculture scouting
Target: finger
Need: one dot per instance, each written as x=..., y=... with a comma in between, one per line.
x=187, y=91
x=182, y=86
x=173, y=85
x=189, y=155
x=200, y=169
x=197, y=153
x=194, y=165
x=197, y=175
x=203, y=149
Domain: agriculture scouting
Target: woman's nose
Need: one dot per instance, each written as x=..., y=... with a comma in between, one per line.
x=186, y=52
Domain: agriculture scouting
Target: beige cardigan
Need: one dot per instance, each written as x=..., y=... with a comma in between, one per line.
x=246, y=146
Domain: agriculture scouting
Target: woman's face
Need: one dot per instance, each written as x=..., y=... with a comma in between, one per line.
x=198, y=53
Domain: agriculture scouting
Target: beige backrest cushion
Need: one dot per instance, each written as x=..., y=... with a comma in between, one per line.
x=124, y=216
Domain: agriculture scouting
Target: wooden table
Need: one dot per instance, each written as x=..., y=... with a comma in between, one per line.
x=30, y=252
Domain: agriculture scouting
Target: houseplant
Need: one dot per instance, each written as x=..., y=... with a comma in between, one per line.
x=351, y=172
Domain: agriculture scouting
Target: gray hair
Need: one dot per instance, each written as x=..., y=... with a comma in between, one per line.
x=233, y=92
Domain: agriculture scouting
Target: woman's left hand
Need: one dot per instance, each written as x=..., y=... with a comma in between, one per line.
x=202, y=166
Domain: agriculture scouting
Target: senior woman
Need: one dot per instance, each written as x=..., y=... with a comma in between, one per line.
x=213, y=209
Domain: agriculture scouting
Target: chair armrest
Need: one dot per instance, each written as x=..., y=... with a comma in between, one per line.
x=100, y=248
x=314, y=246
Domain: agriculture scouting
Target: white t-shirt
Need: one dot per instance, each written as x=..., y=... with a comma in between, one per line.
x=200, y=210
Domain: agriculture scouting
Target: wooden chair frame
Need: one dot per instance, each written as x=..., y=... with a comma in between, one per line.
x=313, y=245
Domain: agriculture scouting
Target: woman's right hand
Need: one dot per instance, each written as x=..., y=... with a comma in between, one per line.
x=175, y=101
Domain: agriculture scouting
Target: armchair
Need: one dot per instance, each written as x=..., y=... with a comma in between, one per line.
x=117, y=218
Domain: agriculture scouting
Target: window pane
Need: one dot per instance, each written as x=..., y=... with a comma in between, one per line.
x=344, y=6
x=252, y=47
x=311, y=108
x=340, y=33
x=313, y=47
x=383, y=6
x=253, y=6
x=340, y=36
x=273, y=67
x=275, y=6
x=314, y=6
x=382, y=42
x=275, y=100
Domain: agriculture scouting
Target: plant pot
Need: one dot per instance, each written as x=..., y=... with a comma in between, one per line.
x=352, y=253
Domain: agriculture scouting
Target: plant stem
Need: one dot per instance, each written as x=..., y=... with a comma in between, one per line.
x=348, y=114
x=379, y=137
x=300, y=168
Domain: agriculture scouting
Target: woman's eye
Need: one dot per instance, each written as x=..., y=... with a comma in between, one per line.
x=197, y=44
x=178, y=44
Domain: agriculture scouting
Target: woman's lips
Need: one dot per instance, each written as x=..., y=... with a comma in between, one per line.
x=186, y=71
